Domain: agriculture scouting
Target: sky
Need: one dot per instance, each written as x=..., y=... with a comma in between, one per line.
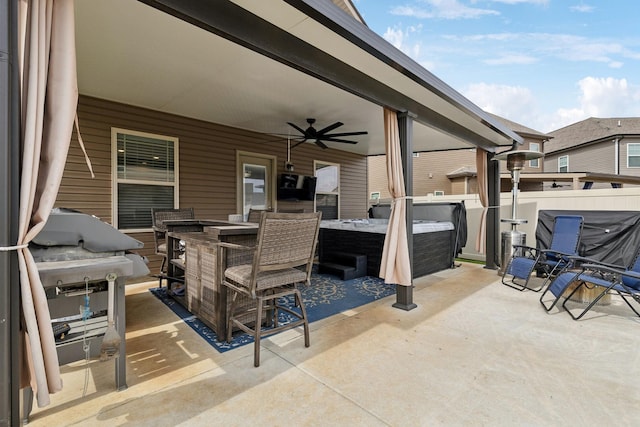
x=544, y=64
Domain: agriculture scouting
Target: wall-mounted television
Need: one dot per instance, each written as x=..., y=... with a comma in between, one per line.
x=296, y=187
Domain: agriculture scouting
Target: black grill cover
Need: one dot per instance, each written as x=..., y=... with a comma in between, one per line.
x=608, y=236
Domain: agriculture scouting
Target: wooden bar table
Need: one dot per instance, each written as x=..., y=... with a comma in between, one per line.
x=200, y=269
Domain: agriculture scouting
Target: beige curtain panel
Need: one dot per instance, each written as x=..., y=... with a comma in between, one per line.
x=483, y=192
x=395, y=265
x=49, y=97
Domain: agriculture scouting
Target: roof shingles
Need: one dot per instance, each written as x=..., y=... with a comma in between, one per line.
x=591, y=130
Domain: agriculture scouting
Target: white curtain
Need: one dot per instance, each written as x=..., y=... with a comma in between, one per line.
x=483, y=192
x=395, y=265
x=49, y=97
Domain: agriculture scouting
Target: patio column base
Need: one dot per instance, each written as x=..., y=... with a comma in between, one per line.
x=404, y=298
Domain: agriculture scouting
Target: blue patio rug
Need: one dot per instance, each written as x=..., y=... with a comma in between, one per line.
x=327, y=295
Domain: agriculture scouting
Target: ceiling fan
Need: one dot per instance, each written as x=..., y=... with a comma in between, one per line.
x=323, y=135
x=556, y=185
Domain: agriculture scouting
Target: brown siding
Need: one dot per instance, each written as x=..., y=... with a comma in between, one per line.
x=458, y=186
x=378, y=176
x=429, y=172
x=207, y=155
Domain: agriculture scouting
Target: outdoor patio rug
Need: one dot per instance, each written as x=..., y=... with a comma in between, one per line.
x=327, y=295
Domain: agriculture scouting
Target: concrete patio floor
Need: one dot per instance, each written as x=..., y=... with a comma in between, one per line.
x=473, y=352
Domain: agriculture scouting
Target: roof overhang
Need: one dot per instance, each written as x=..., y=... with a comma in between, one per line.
x=257, y=65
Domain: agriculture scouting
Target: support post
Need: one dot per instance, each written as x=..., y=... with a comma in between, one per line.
x=404, y=294
x=493, y=214
x=9, y=188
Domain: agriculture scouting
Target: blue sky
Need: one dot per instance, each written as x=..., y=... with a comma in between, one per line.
x=542, y=63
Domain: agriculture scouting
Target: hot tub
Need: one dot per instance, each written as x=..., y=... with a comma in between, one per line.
x=432, y=242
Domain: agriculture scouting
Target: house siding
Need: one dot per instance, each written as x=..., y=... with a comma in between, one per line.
x=430, y=171
x=624, y=150
x=598, y=158
x=595, y=158
x=207, y=164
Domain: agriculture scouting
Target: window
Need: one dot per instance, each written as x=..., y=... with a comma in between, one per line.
x=534, y=163
x=438, y=193
x=145, y=171
x=255, y=182
x=563, y=164
x=327, y=189
x=633, y=155
x=374, y=195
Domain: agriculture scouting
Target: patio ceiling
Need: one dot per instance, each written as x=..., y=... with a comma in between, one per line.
x=135, y=54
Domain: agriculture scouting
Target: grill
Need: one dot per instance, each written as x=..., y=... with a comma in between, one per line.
x=74, y=253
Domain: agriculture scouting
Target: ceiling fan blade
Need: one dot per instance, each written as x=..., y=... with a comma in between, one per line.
x=296, y=127
x=329, y=128
x=321, y=144
x=331, y=135
x=339, y=140
x=295, y=145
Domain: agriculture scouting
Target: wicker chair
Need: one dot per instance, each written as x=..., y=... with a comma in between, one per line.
x=159, y=215
x=282, y=257
x=254, y=214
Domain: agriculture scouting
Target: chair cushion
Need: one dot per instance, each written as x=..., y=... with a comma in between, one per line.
x=162, y=248
x=241, y=274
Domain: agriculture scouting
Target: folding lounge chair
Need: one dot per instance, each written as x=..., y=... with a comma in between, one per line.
x=565, y=240
x=609, y=278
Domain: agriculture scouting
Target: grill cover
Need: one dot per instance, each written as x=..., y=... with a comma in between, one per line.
x=67, y=227
x=608, y=236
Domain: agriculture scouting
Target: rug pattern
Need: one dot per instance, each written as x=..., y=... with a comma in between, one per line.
x=327, y=295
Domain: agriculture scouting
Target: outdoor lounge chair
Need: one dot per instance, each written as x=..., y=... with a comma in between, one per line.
x=565, y=240
x=608, y=278
x=283, y=256
x=159, y=215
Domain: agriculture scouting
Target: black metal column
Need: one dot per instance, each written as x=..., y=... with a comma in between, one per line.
x=9, y=178
x=404, y=294
x=493, y=214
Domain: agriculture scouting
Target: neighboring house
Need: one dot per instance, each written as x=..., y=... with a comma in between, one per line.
x=609, y=146
x=454, y=172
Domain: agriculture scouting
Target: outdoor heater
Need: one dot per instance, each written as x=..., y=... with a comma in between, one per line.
x=515, y=162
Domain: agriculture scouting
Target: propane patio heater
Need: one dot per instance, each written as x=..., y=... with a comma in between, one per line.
x=515, y=162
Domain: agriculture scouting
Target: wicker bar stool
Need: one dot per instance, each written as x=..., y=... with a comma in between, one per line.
x=282, y=258
x=159, y=215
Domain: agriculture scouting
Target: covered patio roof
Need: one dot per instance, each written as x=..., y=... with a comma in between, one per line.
x=258, y=65
x=254, y=65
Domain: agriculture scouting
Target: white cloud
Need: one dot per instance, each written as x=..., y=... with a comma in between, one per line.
x=582, y=8
x=540, y=2
x=556, y=47
x=599, y=97
x=608, y=97
x=399, y=39
x=442, y=9
x=511, y=59
x=515, y=103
